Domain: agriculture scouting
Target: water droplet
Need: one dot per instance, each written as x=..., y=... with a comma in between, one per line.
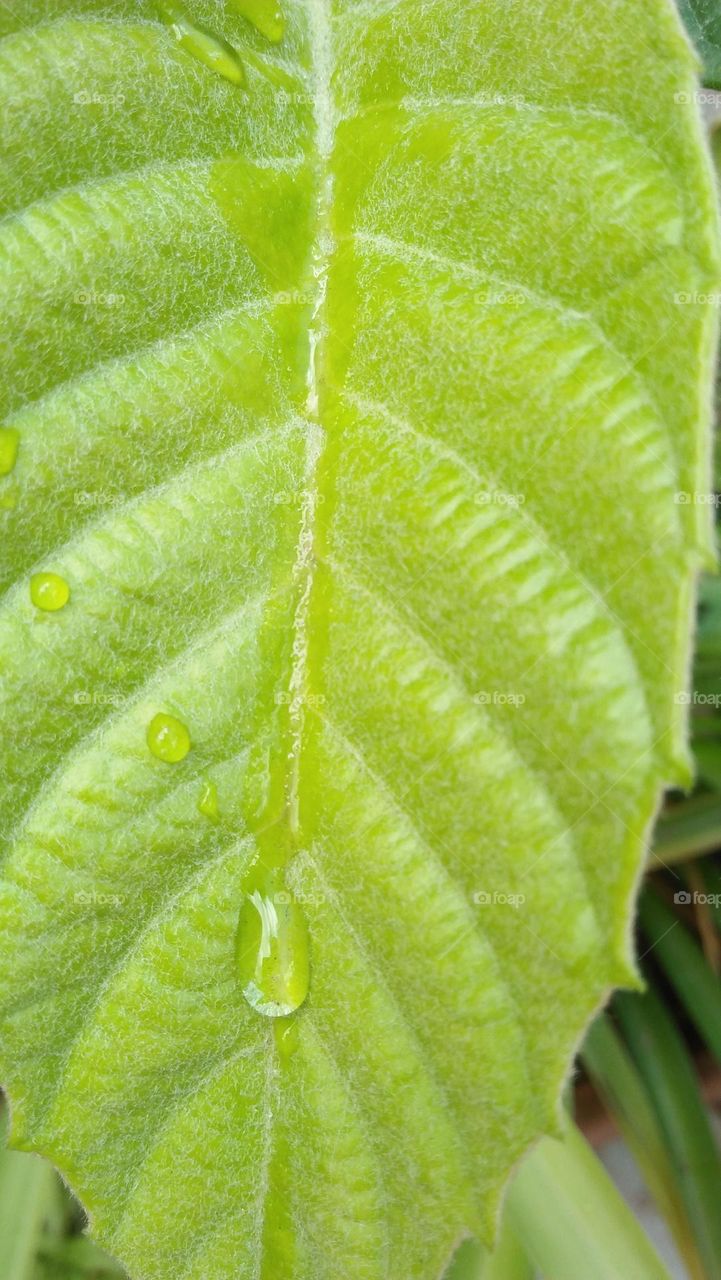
x=49, y=592
x=208, y=802
x=265, y=15
x=286, y=1036
x=213, y=51
x=271, y=947
x=168, y=738
x=9, y=443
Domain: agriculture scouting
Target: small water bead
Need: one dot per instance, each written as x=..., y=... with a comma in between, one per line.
x=168, y=738
x=265, y=16
x=9, y=445
x=208, y=802
x=213, y=51
x=49, y=592
x=286, y=1036
x=271, y=946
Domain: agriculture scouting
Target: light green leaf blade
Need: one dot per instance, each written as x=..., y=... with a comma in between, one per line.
x=365, y=414
x=592, y=1230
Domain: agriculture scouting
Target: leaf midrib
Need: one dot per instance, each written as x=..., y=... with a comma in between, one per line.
x=325, y=117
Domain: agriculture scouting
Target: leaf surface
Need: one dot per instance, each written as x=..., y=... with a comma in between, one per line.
x=364, y=412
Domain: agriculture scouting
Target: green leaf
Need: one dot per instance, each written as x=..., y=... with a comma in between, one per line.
x=356, y=465
x=703, y=19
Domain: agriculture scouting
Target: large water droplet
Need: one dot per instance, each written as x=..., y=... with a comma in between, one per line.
x=9, y=443
x=265, y=15
x=271, y=947
x=168, y=738
x=49, y=592
x=212, y=50
x=208, y=802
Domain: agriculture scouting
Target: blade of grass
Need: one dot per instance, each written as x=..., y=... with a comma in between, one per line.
x=623, y=1091
x=80, y=1256
x=708, y=759
x=688, y=828
x=705, y=725
x=509, y=1260
x=467, y=1262
x=708, y=638
x=704, y=920
x=28, y=1203
x=684, y=964
x=573, y=1222
x=666, y=1067
x=711, y=874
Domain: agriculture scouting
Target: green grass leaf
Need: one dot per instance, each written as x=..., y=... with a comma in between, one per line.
x=591, y=1231
x=669, y=1073
x=29, y=1210
x=355, y=462
x=685, y=965
x=687, y=829
x=620, y=1084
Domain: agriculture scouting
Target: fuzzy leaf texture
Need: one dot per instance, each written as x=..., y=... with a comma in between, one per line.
x=352, y=407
